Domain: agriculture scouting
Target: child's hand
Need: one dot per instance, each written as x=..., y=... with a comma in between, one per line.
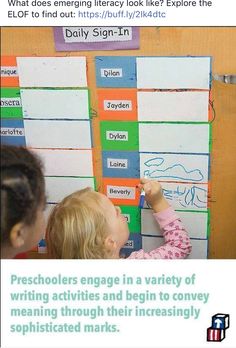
x=153, y=194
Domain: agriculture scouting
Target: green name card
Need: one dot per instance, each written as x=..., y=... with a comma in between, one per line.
x=11, y=103
x=119, y=135
x=133, y=216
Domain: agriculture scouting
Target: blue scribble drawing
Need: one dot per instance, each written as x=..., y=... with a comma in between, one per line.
x=175, y=172
x=188, y=197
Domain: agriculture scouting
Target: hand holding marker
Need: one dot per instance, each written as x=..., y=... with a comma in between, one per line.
x=151, y=192
x=142, y=195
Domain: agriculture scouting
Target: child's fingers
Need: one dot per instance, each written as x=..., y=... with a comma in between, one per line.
x=146, y=187
x=143, y=186
x=144, y=180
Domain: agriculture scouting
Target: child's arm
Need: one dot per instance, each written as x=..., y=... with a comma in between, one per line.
x=177, y=243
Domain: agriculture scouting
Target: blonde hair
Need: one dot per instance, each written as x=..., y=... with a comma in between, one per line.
x=77, y=227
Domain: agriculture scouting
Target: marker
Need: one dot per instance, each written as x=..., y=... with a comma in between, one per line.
x=142, y=199
x=142, y=196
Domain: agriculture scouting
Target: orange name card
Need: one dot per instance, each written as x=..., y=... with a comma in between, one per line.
x=122, y=191
x=117, y=104
x=9, y=72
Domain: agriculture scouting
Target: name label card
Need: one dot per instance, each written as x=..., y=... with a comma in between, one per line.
x=127, y=216
x=111, y=72
x=129, y=244
x=10, y=102
x=133, y=216
x=120, y=164
x=12, y=132
x=121, y=192
x=117, y=135
x=116, y=71
x=11, y=105
x=117, y=163
x=9, y=72
x=133, y=244
x=117, y=105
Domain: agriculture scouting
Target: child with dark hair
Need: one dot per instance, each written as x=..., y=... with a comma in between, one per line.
x=22, y=200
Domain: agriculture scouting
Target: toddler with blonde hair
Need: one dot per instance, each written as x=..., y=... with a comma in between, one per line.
x=86, y=225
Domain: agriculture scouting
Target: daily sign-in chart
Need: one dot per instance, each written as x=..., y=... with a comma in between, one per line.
x=45, y=106
x=154, y=121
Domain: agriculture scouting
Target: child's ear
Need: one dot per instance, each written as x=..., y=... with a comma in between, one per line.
x=17, y=235
x=110, y=243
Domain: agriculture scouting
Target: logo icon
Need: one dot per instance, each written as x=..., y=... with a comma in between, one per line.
x=220, y=323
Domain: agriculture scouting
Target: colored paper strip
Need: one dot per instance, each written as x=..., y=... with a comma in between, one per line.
x=115, y=71
x=119, y=135
x=134, y=243
x=133, y=216
x=117, y=104
x=122, y=191
x=9, y=72
x=11, y=103
x=12, y=132
x=120, y=164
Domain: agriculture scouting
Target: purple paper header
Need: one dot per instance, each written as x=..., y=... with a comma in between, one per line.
x=96, y=38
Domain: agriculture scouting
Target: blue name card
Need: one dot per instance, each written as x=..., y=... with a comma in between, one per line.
x=116, y=71
x=120, y=164
x=12, y=132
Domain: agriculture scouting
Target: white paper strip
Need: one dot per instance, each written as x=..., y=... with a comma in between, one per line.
x=175, y=167
x=59, y=187
x=195, y=223
x=48, y=104
x=173, y=106
x=52, y=71
x=96, y=34
x=66, y=162
x=181, y=138
x=199, y=247
x=173, y=72
x=186, y=196
x=58, y=134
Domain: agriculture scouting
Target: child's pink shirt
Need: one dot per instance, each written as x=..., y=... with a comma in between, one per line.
x=177, y=243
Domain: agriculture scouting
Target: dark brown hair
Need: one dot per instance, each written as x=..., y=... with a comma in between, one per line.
x=22, y=188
